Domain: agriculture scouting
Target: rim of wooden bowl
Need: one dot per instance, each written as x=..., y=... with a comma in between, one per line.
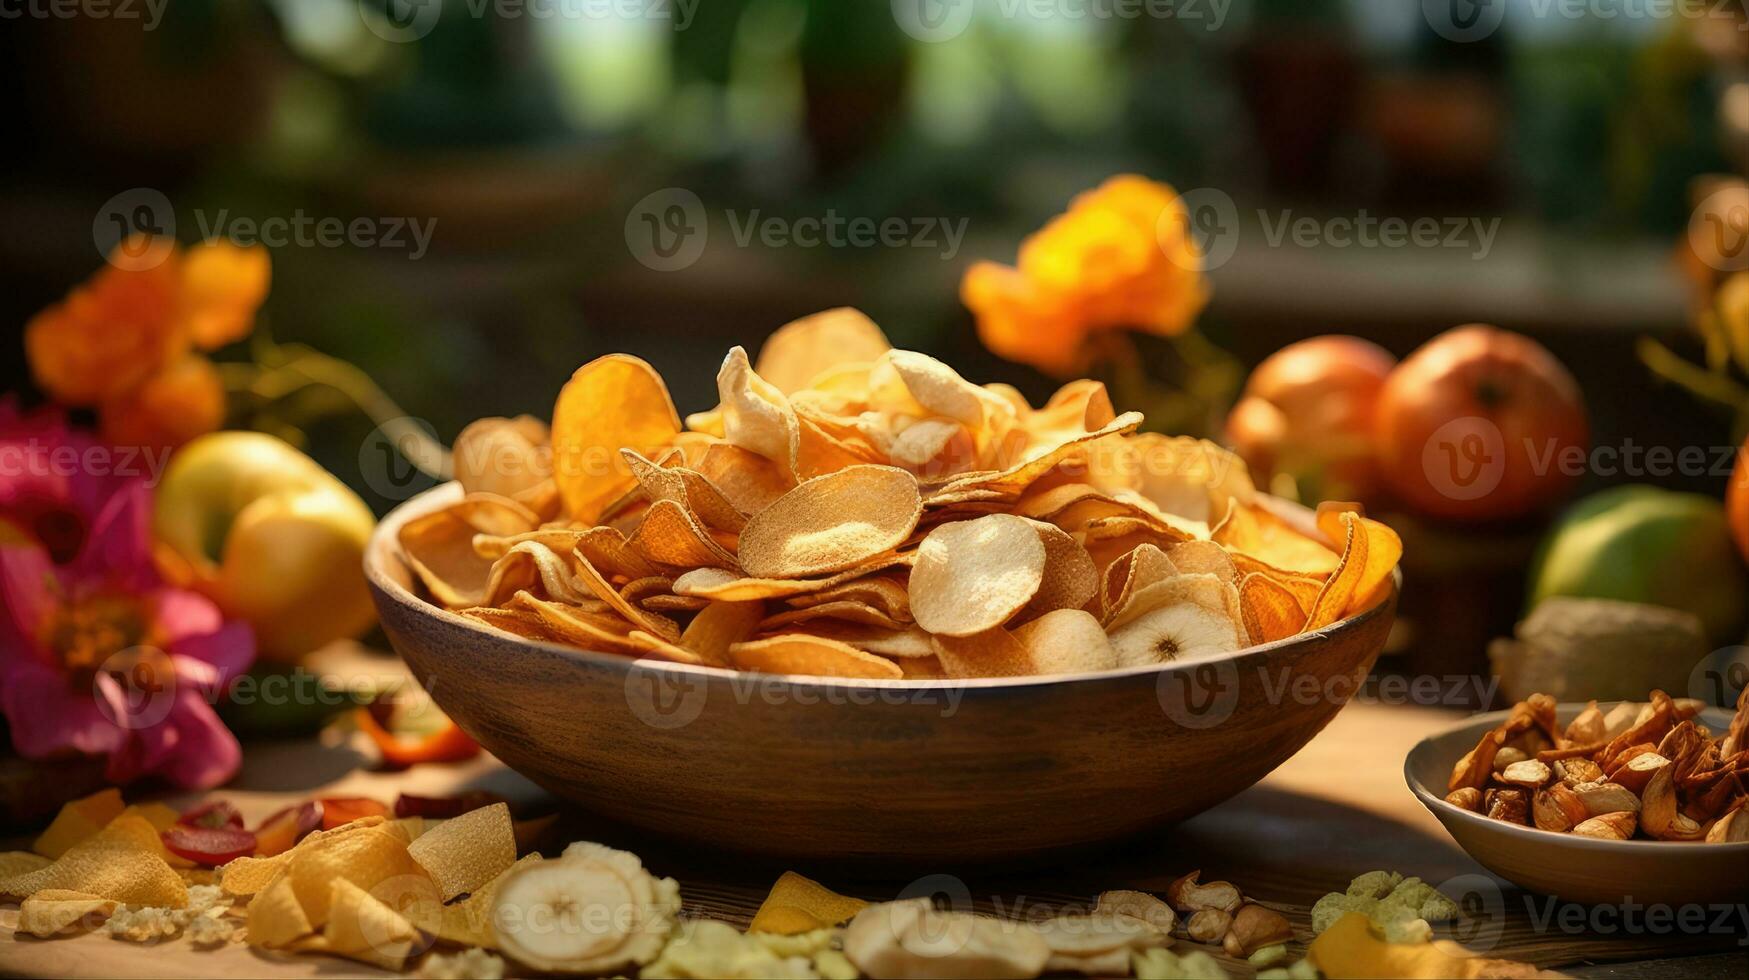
x=1476, y=724
x=384, y=547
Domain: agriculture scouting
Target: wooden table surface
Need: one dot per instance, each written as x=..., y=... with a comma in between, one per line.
x=1336, y=810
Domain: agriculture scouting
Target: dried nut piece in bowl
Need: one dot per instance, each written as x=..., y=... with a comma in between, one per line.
x=884, y=518
x=1638, y=770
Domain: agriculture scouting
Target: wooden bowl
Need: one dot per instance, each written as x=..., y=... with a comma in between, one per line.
x=848, y=769
x=1578, y=869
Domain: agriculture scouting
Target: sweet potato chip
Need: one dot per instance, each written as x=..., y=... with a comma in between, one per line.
x=612, y=403
x=800, y=653
x=695, y=494
x=746, y=479
x=972, y=576
x=1272, y=610
x=670, y=535
x=832, y=523
x=465, y=852
x=802, y=350
x=796, y=905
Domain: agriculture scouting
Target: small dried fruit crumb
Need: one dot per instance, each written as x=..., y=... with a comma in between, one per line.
x=211, y=930
x=472, y=963
x=1163, y=964
x=143, y=925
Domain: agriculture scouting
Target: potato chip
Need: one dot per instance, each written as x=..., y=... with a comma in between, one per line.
x=910, y=642
x=800, y=653
x=846, y=610
x=720, y=625
x=1192, y=478
x=606, y=632
x=756, y=416
x=439, y=548
x=528, y=566
x=695, y=494
x=885, y=592
x=1070, y=578
x=649, y=622
x=992, y=653
x=1272, y=610
x=832, y=523
x=465, y=852
x=1260, y=534
x=275, y=916
x=54, y=910
x=249, y=875
x=1066, y=641
x=718, y=583
x=362, y=928
x=78, y=820
x=796, y=905
x=467, y=922
x=972, y=576
x=503, y=456
x=1071, y=453
x=922, y=668
x=364, y=857
x=14, y=863
x=746, y=479
x=612, y=403
x=518, y=622
x=670, y=535
x=802, y=350
x=120, y=862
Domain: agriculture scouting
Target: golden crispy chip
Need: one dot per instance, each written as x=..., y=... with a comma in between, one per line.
x=718, y=583
x=439, y=548
x=670, y=603
x=992, y=653
x=1258, y=533
x=1070, y=578
x=796, y=905
x=275, y=916
x=746, y=479
x=364, y=857
x=121, y=862
x=643, y=619
x=608, y=552
x=910, y=642
x=1208, y=591
x=465, y=852
x=53, y=910
x=922, y=668
x=612, y=403
x=1192, y=478
x=695, y=494
x=1036, y=461
x=578, y=627
x=846, y=610
x=719, y=626
x=755, y=415
x=1203, y=558
x=14, y=863
x=669, y=535
x=885, y=592
x=972, y=576
x=528, y=566
x=832, y=523
x=467, y=922
x=1185, y=617
x=518, y=622
x=801, y=351
x=362, y=928
x=79, y=820
x=638, y=590
x=800, y=653
x=934, y=448
x=921, y=386
x=1272, y=610
x=503, y=456
x=1370, y=553
x=249, y=875
x=1066, y=641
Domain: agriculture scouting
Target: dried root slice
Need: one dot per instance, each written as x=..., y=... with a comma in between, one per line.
x=1601, y=798
x=1732, y=828
x=1559, y=809
x=1638, y=772
x=595, y=910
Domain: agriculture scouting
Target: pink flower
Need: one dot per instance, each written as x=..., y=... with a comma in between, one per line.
x=97, y=654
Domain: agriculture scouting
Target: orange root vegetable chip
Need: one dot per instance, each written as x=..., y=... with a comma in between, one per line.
x=972, y=576
x=526, y=566
x=276, y=918
x=670, y=535
x=1370, y=553
x=796, y=905
x=643, y=619
x=77, y=821
x=519, y=622
x=832, y=523
x=54, y=910
x=1272, y=610
x=612, y=403
x=800, y=653
x=1070, y=578
x=364, y=857
x=465, y=852
x=748, y=480
x=1255, y=532
x=1066, y=641
x=803, y=350
x=719, y=626
x=695, y=494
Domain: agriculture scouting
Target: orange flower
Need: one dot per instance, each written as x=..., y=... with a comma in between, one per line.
x=223, y=284
x=173, y=406
x=1120, y=258
x=109, y=335
x=123, y=340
